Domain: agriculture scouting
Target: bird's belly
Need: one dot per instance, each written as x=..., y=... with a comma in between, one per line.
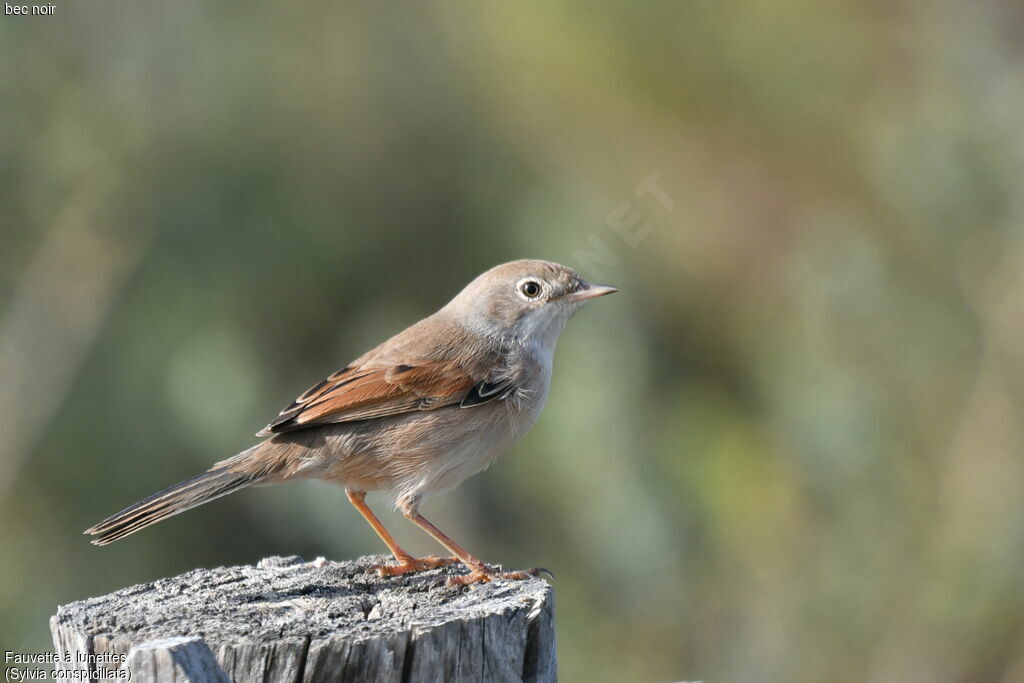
x=424, y=453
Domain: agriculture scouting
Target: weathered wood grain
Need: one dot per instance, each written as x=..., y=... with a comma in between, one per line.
x=174, y=660
x=289, y=620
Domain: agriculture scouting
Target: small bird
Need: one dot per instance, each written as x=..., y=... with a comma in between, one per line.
x=415, y=416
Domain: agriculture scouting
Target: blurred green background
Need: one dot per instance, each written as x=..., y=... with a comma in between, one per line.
x=791, y=449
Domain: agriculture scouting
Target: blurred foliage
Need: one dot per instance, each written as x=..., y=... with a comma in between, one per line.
x=789, y=450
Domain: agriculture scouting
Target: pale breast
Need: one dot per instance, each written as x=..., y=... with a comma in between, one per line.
x=417, y=454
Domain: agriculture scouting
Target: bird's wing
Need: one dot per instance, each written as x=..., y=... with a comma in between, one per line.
x=360, y=393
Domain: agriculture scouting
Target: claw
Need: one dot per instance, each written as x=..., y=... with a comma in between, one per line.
x=485, y=574
x=542, y=571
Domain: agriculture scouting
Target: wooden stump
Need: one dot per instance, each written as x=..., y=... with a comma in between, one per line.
x=289, y=620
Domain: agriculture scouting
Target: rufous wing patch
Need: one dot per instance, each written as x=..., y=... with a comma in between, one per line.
x=360, y=393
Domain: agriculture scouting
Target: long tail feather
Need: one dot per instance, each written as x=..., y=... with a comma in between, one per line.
x=186, y=495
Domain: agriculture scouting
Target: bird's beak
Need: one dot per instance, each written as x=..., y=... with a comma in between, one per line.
x=591, y=292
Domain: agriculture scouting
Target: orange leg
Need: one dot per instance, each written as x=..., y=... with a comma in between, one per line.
x=478, y=571
x=406, y=562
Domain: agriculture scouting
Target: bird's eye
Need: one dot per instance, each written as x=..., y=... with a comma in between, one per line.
x=530, y=289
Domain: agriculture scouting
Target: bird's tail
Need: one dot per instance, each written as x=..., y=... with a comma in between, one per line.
x=223, y=478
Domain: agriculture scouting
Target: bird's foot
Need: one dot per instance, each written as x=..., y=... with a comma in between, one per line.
x=410, y=564
x=484, y=574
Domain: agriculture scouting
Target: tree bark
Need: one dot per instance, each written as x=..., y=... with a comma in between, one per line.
x=289, y=620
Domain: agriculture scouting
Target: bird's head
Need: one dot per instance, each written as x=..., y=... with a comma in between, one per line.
x=527, y=300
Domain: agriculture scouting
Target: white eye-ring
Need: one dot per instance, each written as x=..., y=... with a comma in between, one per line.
x=529, y=287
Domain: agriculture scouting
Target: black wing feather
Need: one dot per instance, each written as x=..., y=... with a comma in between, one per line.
x=486, y=391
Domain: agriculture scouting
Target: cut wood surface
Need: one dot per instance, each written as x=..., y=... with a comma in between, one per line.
x=289, y=620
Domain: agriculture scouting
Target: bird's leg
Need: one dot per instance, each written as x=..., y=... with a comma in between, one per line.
x=478, y=571
x=406, y=562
